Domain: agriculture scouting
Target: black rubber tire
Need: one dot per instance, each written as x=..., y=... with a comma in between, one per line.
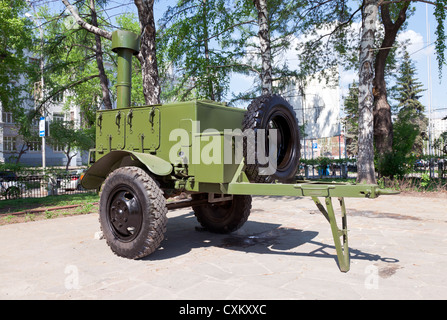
x=224, y=217
x=132, y=213
x=263, y=113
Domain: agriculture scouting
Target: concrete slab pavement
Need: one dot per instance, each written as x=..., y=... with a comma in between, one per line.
x=398, y=248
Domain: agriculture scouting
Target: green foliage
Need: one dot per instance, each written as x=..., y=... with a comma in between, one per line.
x=64, y=133
x=202, y=43
x=16, y=37
x=440, y=47
x=410, y=125
x=401, y=160
x=193, y=56
x=283, y=19
x=18, y=73
x=407, y=89
x=329, y=39
x=425, y=180
x=351, y=120
x=71, y=69
x=410, y=110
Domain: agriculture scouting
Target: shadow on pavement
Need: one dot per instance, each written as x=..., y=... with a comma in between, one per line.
x=183, y=235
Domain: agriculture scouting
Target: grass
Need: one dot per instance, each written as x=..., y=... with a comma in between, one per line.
x=86, y=204
x=422, y=184
x=17, y=205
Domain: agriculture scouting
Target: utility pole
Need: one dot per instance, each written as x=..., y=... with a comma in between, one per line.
x=430, y=151
x=42, y=122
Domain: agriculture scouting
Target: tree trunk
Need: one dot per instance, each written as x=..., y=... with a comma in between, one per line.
x=22, y=151
x=87, y=26
x=147, y=55
x=207, y=52
x=383, y=126
x=103, y=80
x=264, y=41
x=365, y=161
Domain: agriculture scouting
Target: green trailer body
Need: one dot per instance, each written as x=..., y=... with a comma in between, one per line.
x=160, y=130
x=145, y=154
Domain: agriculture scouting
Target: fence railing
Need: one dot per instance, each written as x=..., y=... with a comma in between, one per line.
x=435, y=168
x=15, y=187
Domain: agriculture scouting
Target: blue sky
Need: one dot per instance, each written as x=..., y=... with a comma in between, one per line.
x=418, y=24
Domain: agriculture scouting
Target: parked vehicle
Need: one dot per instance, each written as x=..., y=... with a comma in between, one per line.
x=73, y=180
x=10, y=187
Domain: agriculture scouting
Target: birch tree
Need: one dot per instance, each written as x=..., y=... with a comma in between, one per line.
x=147, y=54
x=365, y=161
x=193, y=54
x=104, y=81
x=264, y=42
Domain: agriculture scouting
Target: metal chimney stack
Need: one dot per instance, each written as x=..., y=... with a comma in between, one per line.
x=125, y=44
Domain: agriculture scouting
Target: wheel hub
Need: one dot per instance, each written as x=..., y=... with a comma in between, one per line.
x=125, y=215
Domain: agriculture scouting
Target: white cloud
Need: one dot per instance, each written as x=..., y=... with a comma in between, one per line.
x=417, y=47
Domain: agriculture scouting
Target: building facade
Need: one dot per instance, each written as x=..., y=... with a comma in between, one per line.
x=317, y=108
x=12, y=144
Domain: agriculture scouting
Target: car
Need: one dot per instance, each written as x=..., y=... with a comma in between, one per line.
x=72, y=181
x=10, y=186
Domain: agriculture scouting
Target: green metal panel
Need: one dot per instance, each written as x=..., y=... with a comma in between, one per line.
x=143, y=129
x=155, y=164
x=110, y=131
x=98, y=172
x=149, y=128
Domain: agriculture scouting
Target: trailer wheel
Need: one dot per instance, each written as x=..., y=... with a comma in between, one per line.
x=272, y=112
x=222, y=217
x=132, y=213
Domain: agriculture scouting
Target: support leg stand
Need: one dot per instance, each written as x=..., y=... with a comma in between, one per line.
x=342, y=249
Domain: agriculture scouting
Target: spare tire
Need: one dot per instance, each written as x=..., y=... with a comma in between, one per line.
x=271, y=112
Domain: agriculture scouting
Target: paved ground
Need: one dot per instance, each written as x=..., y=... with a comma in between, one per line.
x=285, y=251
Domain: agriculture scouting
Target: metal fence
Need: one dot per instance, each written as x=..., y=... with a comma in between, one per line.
x=13, y=186
x=434, y=169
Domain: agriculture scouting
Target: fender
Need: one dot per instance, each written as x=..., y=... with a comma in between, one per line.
x=97, y=173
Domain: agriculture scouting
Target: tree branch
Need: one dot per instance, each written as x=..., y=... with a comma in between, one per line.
x=382, y=2
x=87, y=26
x=237, y=65
x=65, y=88
x=222, y=32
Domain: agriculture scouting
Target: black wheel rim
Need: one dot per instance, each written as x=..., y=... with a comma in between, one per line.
x=284, y=138
x=220, y=212
x=125, y=215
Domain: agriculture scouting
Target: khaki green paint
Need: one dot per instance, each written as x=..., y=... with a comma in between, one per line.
x=98, y=172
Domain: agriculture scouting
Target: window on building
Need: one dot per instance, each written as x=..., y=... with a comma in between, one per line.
x=7, y=117
x=58, y=148
x=35, y=146
x=59, y=97
x=9, y=144
x=58, y=117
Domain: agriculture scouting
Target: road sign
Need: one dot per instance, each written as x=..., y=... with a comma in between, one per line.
x=314, y=145
x=42, y=127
